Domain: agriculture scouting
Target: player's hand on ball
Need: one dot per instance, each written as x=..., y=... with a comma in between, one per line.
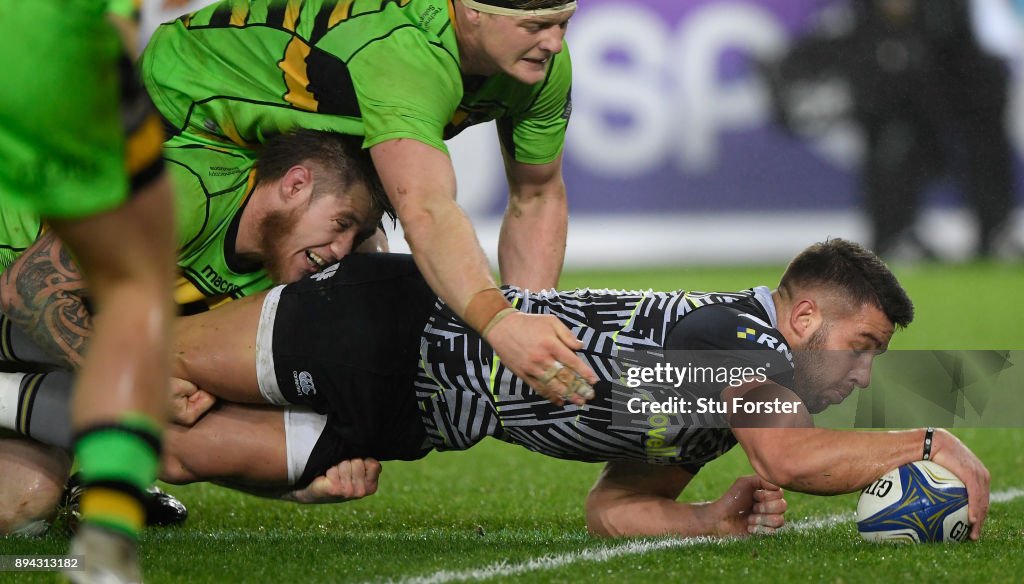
x=752, y=505
x=540, y=350
x=345, y=481
x=950, y=452
x=188, y=402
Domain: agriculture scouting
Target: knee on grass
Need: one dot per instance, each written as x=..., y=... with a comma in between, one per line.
x=32, y=479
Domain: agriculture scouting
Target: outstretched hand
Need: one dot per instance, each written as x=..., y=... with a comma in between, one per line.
x=345, y=481
x=540, y=350
x=951, y=453
x=751, y=505
x=188, y=402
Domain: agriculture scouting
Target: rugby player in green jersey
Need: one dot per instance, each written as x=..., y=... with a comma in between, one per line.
x=405, y=75
x=238, y=219
x=244, y=224
x=81, y=147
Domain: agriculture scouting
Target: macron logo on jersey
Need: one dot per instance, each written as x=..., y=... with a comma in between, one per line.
x=326, y=273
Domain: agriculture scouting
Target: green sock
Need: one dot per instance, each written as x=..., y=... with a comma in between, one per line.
x=118, y=462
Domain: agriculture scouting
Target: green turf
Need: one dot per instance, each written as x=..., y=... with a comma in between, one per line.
x=501, y=504
x=964, y=306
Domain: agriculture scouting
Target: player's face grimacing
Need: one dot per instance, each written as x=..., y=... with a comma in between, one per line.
x=837, y=358
x=317, y=233
x=521, y=46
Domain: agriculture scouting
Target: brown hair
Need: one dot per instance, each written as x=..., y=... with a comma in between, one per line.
x=855, y=272
x=341, y=156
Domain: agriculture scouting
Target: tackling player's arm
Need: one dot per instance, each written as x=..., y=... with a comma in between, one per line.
x=420, y=182
x=349, y=480
x=346, y=481
x=531, y=248
x=638, y=499
x=43, y=293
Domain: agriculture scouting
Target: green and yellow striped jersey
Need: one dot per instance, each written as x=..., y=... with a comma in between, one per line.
x=240, y=71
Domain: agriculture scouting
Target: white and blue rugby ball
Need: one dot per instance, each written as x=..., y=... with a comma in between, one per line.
x=915, y=503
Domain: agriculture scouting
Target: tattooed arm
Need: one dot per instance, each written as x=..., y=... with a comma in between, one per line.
x=43, y=294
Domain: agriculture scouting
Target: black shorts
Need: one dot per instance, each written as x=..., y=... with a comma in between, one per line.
x=328, y=451
x=346, y=343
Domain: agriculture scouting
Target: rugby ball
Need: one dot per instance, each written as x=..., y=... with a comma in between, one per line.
x=916, y=503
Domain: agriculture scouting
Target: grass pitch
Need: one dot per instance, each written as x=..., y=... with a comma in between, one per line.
x=500, y=512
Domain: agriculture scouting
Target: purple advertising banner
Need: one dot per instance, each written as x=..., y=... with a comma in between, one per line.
x=671, y=116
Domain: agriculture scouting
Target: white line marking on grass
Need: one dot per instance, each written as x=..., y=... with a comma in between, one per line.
x=815, y=523
x=1006, y=496
x=505, y=569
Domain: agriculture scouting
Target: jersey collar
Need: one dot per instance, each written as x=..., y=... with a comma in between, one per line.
x=764, y=295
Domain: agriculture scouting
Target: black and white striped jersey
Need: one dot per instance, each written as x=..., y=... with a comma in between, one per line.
x=397, y=374
x=465, y=394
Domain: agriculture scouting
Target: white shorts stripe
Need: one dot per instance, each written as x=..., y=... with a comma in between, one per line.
x=302, y=429
x=265, y=372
